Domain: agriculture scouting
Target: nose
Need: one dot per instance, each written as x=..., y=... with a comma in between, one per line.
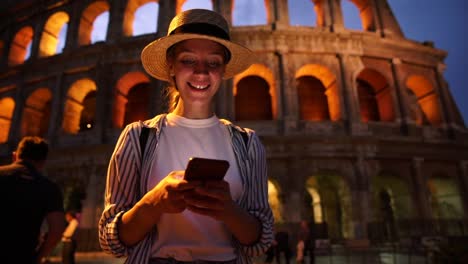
x=201, y=68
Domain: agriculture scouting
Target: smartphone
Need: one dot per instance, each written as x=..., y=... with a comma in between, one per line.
x=203, y=169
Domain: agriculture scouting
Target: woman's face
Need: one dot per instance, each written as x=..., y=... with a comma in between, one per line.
x=198, y=67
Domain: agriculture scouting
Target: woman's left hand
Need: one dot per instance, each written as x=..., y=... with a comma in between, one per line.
x=211, y=198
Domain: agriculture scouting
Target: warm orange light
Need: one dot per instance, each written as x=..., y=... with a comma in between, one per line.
x=7, y=105
x=18, y=48
x=87, y=19
x=50, y=34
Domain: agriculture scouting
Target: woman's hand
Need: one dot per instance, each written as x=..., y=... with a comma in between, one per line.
x=168, y=195
x=210, y=198
x=213, y=199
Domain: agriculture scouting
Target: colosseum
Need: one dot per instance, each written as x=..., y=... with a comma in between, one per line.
x=363, y=137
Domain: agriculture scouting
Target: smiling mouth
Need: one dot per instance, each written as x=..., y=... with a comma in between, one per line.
x=199, y=87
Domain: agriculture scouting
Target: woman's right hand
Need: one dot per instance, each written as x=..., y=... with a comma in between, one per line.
x=166, y=197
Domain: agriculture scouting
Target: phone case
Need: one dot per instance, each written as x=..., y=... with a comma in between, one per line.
x=206, y=169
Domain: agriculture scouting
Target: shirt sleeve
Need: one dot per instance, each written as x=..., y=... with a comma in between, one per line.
x=121, y=189
x=256, y=201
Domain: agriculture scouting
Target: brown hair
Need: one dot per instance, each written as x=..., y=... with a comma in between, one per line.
x=32, y=148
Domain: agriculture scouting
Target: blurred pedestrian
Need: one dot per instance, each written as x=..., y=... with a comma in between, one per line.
x=69, y=238
x=306, y=244
x=282, y=247
x=27, y=198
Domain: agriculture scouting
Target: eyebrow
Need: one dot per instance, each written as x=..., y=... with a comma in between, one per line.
x=184, y=49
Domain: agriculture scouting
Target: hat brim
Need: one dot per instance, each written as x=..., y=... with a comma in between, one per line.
x=153, y=56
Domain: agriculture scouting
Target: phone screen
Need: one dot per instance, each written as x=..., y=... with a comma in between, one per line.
x=206, y=169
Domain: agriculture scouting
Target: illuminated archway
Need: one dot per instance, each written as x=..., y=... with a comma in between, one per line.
x=50, y=34
x=274, y=201
x=391, y=203
x=445, y=197
x=375, y=97
x=124, y=85
x=75, y=104
x=328, y=203
x=252, y=101
x=426, y=98
x=133, y=19
x=19, y=46
x=88, y=19
x=318, y=93
x=36, y=113
x=7, y=105
x=264, y=73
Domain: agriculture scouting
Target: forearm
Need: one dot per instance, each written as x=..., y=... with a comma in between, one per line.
x=49, y=244
x=137, y=222
x=245, y=227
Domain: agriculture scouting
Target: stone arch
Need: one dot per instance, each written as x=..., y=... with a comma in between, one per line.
x=129, y=16
x=50, y=34
x=183, y=5
x=323, y=90
x=19, y=45
x=124, y=85
x=256, y=9
x=274, y=194
x=334, y=201
x=366, y=14
x=36, y=113
x=266, y=75
x=7, y=106
x=391, y=203
x=375, y=97
x=445, y=199
x=89, y=15
x=425, y=99
x=75, y=105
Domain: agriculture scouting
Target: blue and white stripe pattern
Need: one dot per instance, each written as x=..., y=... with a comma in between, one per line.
x=124, y=185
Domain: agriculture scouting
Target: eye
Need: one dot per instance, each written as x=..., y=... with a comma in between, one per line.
x=187, y=61
x=214, y=64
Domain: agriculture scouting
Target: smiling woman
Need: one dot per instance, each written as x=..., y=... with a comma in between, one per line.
x=150, y=207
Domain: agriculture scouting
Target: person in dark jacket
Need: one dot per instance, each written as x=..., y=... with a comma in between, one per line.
x=28, y=198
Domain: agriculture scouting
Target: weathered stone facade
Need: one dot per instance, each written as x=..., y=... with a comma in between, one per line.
x=346, y=116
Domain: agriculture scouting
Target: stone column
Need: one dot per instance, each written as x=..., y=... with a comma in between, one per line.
x=336, y=15
x=15, y=124
x=279, y=13
x=324, y=13
x=224, y=7
x=116, y=17
x=287, y=101
x=167, y=10
x=73, y=27
x=360, y=198
x=463, y=180
x=350, y=112
x=448, y=112
x=384, y=20
x=55, y=124
x=420, y=189
x=401, y=96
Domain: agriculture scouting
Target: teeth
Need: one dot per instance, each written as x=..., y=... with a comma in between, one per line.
x=199, y=86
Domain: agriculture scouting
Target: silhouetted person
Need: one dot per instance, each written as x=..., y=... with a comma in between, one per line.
x=27, y=198
x=305, y=244
x=282, y=246
x=69, y=239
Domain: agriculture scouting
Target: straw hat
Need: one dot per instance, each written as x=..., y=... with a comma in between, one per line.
x=195, y=24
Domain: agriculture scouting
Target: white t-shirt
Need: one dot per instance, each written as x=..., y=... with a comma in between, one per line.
x=188, y=236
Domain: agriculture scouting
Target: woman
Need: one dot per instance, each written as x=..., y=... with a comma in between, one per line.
x=153, y=215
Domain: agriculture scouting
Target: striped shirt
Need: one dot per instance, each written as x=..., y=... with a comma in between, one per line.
x=125, y=186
